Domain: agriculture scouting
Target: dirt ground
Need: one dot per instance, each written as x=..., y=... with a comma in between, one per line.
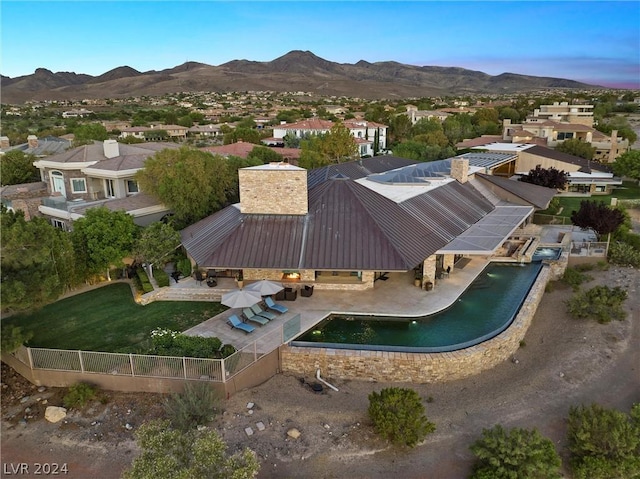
x=564, y=362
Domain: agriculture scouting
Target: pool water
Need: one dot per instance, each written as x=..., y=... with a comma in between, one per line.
x=543, y=253
x=484, y=310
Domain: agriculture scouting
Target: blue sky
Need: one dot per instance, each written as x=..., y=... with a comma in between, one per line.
x=594, y=41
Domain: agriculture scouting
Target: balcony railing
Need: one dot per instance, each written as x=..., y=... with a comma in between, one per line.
x=61, y=203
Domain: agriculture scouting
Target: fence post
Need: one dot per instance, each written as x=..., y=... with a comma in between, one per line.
x=184, y=367
x=81, y=362
x=255, y=351
x=30, y=358
x=131, y=364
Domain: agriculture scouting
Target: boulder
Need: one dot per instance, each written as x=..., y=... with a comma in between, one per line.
x=55, y=413
x=294, y=433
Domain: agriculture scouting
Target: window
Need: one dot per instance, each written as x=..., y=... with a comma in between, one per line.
x=59, y=224
x=132, y=187
x=78, y=185
x=109, y=189
x=565, y=135
x=363, y=150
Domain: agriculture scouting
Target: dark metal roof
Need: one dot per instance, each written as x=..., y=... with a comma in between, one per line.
x=357, y=169
x=538, y=196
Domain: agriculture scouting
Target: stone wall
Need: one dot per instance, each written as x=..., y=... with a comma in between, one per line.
x=416, y=367
x=271, y=189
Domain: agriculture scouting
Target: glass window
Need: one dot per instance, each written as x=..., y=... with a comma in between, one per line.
x=132, y=187
x=78, y=185
x=59, y=224
x=109, y=187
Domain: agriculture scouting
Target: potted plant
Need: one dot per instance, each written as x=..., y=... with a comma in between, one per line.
x=240, y=280
x=417, y=280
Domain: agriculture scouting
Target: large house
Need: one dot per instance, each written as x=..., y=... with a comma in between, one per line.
x=346, y=225
x=98, y=174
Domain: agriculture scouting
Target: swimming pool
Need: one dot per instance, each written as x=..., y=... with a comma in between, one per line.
x=543, y=253
x=484, y=310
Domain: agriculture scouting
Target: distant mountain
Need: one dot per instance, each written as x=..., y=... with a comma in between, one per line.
x=295, y=71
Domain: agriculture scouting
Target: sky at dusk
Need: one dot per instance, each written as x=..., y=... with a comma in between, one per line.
x=597, y=42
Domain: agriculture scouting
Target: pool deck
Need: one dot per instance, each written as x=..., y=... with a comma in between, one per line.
x=397, y=296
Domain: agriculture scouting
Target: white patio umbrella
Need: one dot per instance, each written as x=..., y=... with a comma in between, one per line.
x=265, y=287
x=240, y=298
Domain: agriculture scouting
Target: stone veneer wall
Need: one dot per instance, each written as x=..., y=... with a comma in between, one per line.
x=273, y=191
x=416, y=367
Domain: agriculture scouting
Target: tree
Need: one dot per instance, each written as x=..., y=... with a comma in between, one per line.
x=264, y=155
x=577, y=147
x=549, y=178
x=597, y=216
x=339, y=144
x=604, y=443
x=627, y=164
x=37, y=262
x=103, y=238
x=518, y=453
x=171, y=454
x=248, y=135
x=156, y=242
x=191, y=182
x=398, y=415
x=89, y=132
x=458, y=127
x=16, y=168
x=399, y=128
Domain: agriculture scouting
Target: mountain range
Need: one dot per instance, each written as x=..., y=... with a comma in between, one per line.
x=294, y=71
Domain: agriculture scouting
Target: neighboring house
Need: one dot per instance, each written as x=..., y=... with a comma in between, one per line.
x=81, y=113
x=39, y=147
x=205, y=131
x=416, y=115
x=364, y=131
x=142, y=132
x=242, y=150
x=343, y=226
x=95, y=175
x=563, y=112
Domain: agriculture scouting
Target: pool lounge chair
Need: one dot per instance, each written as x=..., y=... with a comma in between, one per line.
x=253, y=317
x=235, y=322
x=275, y=306
x=261, y=312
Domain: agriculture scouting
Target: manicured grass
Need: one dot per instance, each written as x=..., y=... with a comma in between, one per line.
x=108, y=319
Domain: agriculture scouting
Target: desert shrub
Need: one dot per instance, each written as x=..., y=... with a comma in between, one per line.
x=518, y=453
x=600, y=302
x=171, y=343
x=195, y=406
x=398, y=415
x=624, y=254
x=12, y=337
x=161, y=277
x=574, y=278
x=78, y=395
x=604, y=443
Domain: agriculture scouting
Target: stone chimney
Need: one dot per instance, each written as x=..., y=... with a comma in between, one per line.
x=613, y=151
x=4, y=142
x=111, y=148
x=273, y=189
x=460, y=169
x=32, y=140
x=589, y=138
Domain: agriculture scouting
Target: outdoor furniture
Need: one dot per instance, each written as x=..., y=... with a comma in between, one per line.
x=235, y=322
x=275, y=306
x=199, y=277
x=261, y=312
x=211, y=282
x=176, y=276
x=307, y=291
x=253, y=317
x=290, y=294
x=280, y=295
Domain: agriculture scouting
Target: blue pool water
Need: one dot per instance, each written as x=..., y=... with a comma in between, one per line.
x=483, y=311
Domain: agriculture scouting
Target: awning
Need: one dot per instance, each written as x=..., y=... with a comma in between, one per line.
x=490, y=232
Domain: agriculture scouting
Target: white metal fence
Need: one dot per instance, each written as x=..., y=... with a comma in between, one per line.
x=170, y=367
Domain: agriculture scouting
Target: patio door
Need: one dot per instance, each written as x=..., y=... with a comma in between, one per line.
x=57, y=183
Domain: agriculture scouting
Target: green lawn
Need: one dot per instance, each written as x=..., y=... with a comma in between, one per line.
x=108, y=319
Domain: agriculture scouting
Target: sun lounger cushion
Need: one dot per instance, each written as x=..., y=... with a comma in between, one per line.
x=235, y=322
x=261, y=312
x=253, y=317
x=275, y=306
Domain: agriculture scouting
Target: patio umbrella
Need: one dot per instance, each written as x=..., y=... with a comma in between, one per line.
x=240, y=298
x=265, y=287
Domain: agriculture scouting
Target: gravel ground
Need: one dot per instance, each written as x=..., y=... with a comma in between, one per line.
x=564, y=362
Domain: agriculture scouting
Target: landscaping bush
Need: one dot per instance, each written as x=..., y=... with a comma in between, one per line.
x=398, y=415
x=575, y=277
x=171, y=343
x=624, y=254
x=144, y=280
x=195, y=406
x=604, y=443
x=227, y=350
x=161, y=278
x=12, y=338
x=519, y=453
x=184, y=266
x=600, y=302
x=78, y=395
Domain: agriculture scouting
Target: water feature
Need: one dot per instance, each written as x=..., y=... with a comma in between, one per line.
x=547, y=253
x=484, y=310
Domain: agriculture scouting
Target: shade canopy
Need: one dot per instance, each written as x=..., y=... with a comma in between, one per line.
x=265, y=287
x=241, y=298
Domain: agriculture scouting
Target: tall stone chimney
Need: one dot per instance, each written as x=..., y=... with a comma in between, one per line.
x=4, y=142
x=111, y=148
x=32, y=140
x=273, y=189
x=613, y=151
x=460, y=169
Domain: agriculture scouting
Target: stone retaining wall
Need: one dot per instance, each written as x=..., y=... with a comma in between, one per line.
x=416, y=367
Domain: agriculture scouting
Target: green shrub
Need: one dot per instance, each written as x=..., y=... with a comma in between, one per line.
x=161, y=278
x=184, y=266
x=12, y=338
x=171, y=343
x=227, y=350
x=144, y=280
x=398, y=415
x=519, y=453
x=600, y=302
x=78, y=395
x=624, y=254
x=604, y=443
x=196, y=405
x=574, y=278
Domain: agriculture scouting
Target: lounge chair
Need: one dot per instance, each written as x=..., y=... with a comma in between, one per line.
x=253, y=317
x=261, y=312
x=235, y=322
x=275, y=306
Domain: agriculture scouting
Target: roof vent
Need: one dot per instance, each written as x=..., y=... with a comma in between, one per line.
x=111, y=148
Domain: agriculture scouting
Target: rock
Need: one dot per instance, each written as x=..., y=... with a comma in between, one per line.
x=24, y=399
x=200, y=427
x=249, y=431
x=294, y=433
x=128, y=427
x=326, y=426
x=250, y=405
x=260, y=426
x=23, y=422
x=42, y=389
x=561, y=375
x=250, y=411
x=45, y=401
x=55, y=414
x=27, y=410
